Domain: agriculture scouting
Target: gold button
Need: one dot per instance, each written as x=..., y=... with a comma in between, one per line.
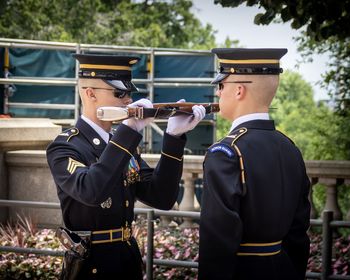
x=94, y=271
x=127, y=203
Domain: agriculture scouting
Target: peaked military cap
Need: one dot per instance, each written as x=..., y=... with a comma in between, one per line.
x=241, y=61
x=113, y=70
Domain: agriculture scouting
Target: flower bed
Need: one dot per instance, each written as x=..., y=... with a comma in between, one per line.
x=169, y=243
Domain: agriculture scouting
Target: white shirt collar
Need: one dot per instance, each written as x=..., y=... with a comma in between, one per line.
x=99, y=130
x=249, y=117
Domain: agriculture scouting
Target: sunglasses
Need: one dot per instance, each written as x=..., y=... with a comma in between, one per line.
x=221, y=85
x=116, y=92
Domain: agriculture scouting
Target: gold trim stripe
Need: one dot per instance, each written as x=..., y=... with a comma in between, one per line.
x=105, y=67
x=258, y=254
x=120, y=147
x=250, y=61
x=261, y=244
x=178, y=159
x=107, y=231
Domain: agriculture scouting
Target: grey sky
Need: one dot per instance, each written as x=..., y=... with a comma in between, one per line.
x=238, y=23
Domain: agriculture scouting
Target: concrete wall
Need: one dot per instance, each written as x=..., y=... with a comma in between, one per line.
x=19, y=134
x=29, y=179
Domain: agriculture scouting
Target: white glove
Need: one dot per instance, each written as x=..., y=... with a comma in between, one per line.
x=179, y=125
x=139, y=124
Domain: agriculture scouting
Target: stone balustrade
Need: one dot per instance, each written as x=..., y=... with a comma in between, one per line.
x=29, y=178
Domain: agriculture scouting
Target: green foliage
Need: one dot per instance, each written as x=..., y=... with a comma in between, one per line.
x=308, y=124
x=326, y=31
x=24, y=234
x=223, y=127
x=125, y=22
x=322, y=19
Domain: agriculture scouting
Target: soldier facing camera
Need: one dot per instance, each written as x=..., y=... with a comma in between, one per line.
x=99, y=175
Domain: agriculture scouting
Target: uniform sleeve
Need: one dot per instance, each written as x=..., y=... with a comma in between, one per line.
x=159, y=187
x=91, y=184
x=297, y=242
x=220, y=223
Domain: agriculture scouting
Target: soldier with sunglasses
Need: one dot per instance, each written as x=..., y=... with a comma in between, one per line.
x=99, y=175
x=255, y=209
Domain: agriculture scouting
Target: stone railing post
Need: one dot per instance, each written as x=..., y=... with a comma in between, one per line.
x=313, y=212
x=332, y=198
x=187, y=203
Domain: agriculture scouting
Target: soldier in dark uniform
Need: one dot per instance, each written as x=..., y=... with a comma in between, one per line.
x=99, y=176
x=255, y=209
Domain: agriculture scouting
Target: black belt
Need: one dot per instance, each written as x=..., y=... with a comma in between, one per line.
x=260, y=249
x=122, y=234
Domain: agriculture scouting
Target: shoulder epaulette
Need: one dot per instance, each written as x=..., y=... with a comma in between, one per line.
x=236, y=134
x=69, y=133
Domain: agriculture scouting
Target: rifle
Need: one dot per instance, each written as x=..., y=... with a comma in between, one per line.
x=159, y=111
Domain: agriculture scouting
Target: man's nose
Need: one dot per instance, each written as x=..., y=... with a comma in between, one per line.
x=128, y=100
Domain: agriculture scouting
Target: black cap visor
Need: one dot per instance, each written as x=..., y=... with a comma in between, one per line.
x=122, y=85
x=219, y=78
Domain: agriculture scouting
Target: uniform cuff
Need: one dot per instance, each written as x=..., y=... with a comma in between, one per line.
x=173, y=146
x=125, y=138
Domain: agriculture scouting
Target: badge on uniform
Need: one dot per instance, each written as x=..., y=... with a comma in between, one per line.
x=107, y=203
x=133, y=172
x=73, y=165
x=219, y=147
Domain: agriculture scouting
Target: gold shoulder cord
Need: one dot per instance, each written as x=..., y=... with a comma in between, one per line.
x=235, y=137
x=241, y=165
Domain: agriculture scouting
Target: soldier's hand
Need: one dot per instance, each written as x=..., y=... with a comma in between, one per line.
x=139, y=124
x=181, y=124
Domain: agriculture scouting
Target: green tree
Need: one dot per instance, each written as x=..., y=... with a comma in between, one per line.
x=315, y=129
x=325, y=30
x=125, y=22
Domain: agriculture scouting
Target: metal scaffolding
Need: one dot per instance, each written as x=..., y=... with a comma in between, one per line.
x=151, y=82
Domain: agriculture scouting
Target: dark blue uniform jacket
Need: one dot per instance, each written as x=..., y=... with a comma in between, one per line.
x=97, y=185
x=272, y=207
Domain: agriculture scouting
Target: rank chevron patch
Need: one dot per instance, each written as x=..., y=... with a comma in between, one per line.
x=73, y=165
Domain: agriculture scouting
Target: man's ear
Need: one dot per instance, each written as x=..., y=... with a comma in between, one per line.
x=240, y=92
x=90, y=94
